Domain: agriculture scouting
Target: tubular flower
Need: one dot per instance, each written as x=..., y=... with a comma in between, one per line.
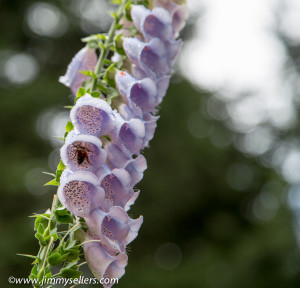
x=138, y=94
x=80, y=192
x=118, y=189
x=98, y=184
x=85, y=59
x=156, y=23
x=116, y=157
x=92, y=116
x=150, y=57
x=82, y=152
x=179, y=13
x=103, y=263
x=130, y=134
x=115, y=229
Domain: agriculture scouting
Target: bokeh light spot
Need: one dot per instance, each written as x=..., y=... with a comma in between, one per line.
x=45, y=19
x=21, y=68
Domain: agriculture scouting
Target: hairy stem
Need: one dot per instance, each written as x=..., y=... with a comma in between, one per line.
x=44, y=250
x=108, y=43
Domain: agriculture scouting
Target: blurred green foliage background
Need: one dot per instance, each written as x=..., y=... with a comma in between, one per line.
x=205, y=221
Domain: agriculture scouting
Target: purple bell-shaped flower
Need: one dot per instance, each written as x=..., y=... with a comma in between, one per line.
x=102, y=264
x=82, y=152
x=85, y=59
x=80, y=192
x=115, y=228
x=92, y=116
x=179, y=14
x=156, y=23
x=138, y=94
x=118, y=158
x=150, y=57
x=118, y=189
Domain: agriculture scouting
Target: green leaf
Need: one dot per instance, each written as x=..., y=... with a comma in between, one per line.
x=48, y=272
x=146, y=3
x=45, y=215
x=55, y=259
x=61, y=211
x=47, y=173
x=70, y=273
x=34, y=270
x=110, y=74
x=58, y=174
x=40, y=238
x=64, y=219
x=95, y=94
x=73, y=253
x=40, y=219
x=116, y=2
x=101, y=46
x=65, y=256
x=68, y=107
x=33, y=277
x=41, y=229
x=61, y=165
x=81, y=92
x=119, y=26
x=118, y=42
x=128, y=11
x=108, y=62
x=114, y=15
x=27, y=255
x=102, y=88
x=60, y=138
x=101, y=36
x=89, y=73
x=93, y=44
x=113, y=93
x=133, y=31
x=53, y=182
x=69, y=126
x=107, y=138
x=41, y=275
x=94, y=37
x=48, y=238
x=70, y=244
x=71, y=265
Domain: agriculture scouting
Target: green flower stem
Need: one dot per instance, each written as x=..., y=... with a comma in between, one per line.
x=46, y=255
x=44, y=250
x=71, y=231
x=108, y=43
